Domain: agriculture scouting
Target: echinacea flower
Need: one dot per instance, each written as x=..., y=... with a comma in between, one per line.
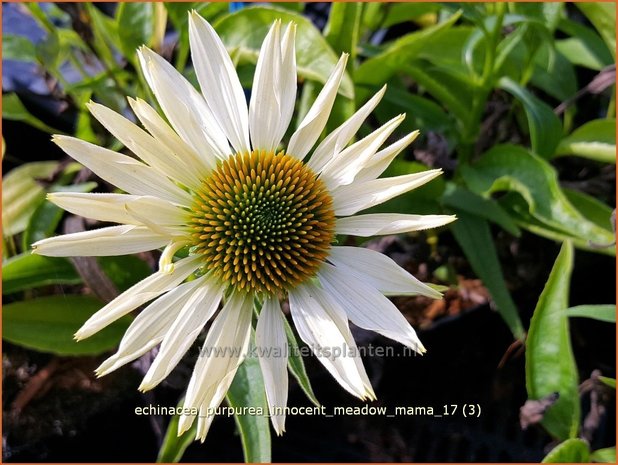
x=258, y=221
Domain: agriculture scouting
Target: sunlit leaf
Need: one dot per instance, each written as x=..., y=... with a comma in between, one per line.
x=570, y=451
x=596, y=312
x=595, y=140
x=27, y=271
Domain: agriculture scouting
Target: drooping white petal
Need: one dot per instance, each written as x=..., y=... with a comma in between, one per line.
x=381, y=160
x=324, y=329
x=274, y=89
x=366, y=306
x=147, y=289
x=314, y=122
x=379, y=271
x=124, y=172
x=184, y=107
x=144, y=146
x=114, y=207
x=196, y=312
x=219, y=82
x=149, y=327
x=201, y=165
x=348, y=200
x=103, y=242
x=336, y=141
x=343, y=167
x=272, y=349
x=376, y=224
x=225, y=347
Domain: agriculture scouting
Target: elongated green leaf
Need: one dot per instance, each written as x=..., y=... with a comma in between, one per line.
x=474, y=237
x=246, y=29
x=48, y=324
x=18, y=48
x=550, y=365
x=461, y=198
x=569, y=451
x=604, y=455
x=403, y=12
x=592, y=208
x=174, y=446
x=585, y=47
x=134, y=22
x=22, y=194
x=14, y=110
x=297, y=366
x=544, y=126
x=27, y=271
x=611, y=382
x=247, y=390
x=595, y=140
x=378, y=69
x=343, y=27
x=514, y=169
x=597, y=312
x=603, y=17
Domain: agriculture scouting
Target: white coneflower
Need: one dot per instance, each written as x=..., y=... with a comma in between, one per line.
x=259, y=223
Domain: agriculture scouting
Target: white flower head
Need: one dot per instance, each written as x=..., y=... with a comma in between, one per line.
x=259, y=222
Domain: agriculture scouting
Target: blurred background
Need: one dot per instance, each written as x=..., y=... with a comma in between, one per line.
x=515, y=102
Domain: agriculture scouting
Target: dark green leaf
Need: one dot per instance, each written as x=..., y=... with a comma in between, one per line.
x=569, y=451
x=297, y=366
x=247, y=390
x=125, y=270
x=474, y=237
x=595, y=140
x=135, y=23
x=13, y=109
x=47, y=324
x=343, y=27
x=597, y=312
x=403, y=12
x=27, y=271
x=544, y=126
x=246, y=29
x=174, y=446
x=550, y=365
x=604, y=455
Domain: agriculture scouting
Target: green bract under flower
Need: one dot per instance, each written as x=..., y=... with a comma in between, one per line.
x=263, y=222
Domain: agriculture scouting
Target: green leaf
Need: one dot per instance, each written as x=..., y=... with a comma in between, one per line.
x=595, y=140
x=14, y=110
x=597, y=312
x=27, y=271
x=22, y=194
x=18, y=48
x=404, y=12
x=173, y=446
x=544, y=206
x=461, y=198
x=550, y=365
x=247, y=390
x=611, y=382
x=474, y=237
x=297, y=366
x=246, y=29
x=544, y=126
x=47, y=324
x=604, y=455
x=591, y=208
x=603, y=18
x=134, y=23
x=584, y=47
x=343, y=27
x=570, y=451
x=376, y=70
x=124, y=270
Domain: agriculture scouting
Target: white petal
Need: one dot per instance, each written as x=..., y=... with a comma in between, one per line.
x=194, y=315
x=149, y=327
x=344, y=166
x=144, y=145
x=379, y=271
x=225, y=347
x=339, y=138
x=348, y=200
x=103, y=242
x=366, y=307
x=219, y=82
x=116, y=207
x=274, y=89
x=147, y=289
x=324, y=329
x=314, y=122
x=376, y=224
x=124, y=172
x=272, y=349
x=184, y=107
x=171, y=141
x=381, y=160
